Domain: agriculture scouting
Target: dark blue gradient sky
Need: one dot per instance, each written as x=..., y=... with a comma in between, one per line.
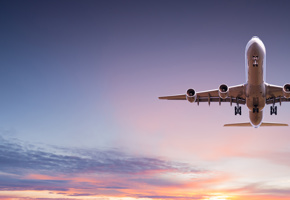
x=87, y=74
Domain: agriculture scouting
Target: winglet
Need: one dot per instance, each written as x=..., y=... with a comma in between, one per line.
x=247, y=124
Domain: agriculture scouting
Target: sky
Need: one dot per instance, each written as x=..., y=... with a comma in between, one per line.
x=79, y=111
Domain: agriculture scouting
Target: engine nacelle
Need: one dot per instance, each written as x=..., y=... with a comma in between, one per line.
x=286, y=90
x=190, y=95
x=223, y=91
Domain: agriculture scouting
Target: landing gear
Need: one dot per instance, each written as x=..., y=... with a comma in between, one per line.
x=238, y=110
x=273, y=110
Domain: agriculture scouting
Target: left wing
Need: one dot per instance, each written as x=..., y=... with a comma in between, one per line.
x=176, y=97
x=236, y=94
x=275, y=94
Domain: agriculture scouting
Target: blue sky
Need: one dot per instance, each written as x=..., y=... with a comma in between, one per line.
x=79, y=82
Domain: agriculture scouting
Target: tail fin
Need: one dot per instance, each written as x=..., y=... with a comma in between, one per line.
x=247, y=124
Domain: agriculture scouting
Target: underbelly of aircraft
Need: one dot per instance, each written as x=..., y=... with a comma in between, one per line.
x=256, y=98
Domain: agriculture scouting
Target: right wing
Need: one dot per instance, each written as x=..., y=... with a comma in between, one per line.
x=236, y=95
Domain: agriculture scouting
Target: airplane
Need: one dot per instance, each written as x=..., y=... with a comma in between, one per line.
x=255, y=93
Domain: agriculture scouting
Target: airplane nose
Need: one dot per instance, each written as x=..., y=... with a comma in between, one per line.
x=255, y=46
x=254, y=41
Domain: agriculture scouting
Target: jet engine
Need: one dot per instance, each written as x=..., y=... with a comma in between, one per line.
x=286, y=90
x=190, y=95
x=223, y=91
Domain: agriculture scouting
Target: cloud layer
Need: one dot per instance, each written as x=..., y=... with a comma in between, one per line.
x=17, y=158
x=50, y=172
x=85, y=172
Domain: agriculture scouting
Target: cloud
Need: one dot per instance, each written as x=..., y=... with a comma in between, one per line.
x=27, y=198
x=19, y=159
x=262, y=188
x=72, y=172
x=282, y=158
x=171, y=197
x=10, y=184
x=82, y=173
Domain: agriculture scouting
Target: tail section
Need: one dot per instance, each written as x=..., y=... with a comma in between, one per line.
x=248, y=124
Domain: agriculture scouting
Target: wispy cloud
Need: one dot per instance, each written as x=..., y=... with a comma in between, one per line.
x=262, y=188
x=10, y=183
x=19, y=159
x=85, y=172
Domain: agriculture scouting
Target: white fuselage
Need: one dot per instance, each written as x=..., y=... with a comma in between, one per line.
x=255, y=85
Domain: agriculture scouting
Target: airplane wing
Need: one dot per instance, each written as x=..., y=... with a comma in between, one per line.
x=275, y=94
x=176, y=97
x=236, y=95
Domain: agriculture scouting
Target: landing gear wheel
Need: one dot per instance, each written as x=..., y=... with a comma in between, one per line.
x=238, y=110
x=273, y=110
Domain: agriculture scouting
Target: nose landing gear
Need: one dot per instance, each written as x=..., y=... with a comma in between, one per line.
x=255, y=59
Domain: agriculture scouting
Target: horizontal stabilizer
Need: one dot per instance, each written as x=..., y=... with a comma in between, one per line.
x=239, y=124
x=273, y=124
x=247, y=124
